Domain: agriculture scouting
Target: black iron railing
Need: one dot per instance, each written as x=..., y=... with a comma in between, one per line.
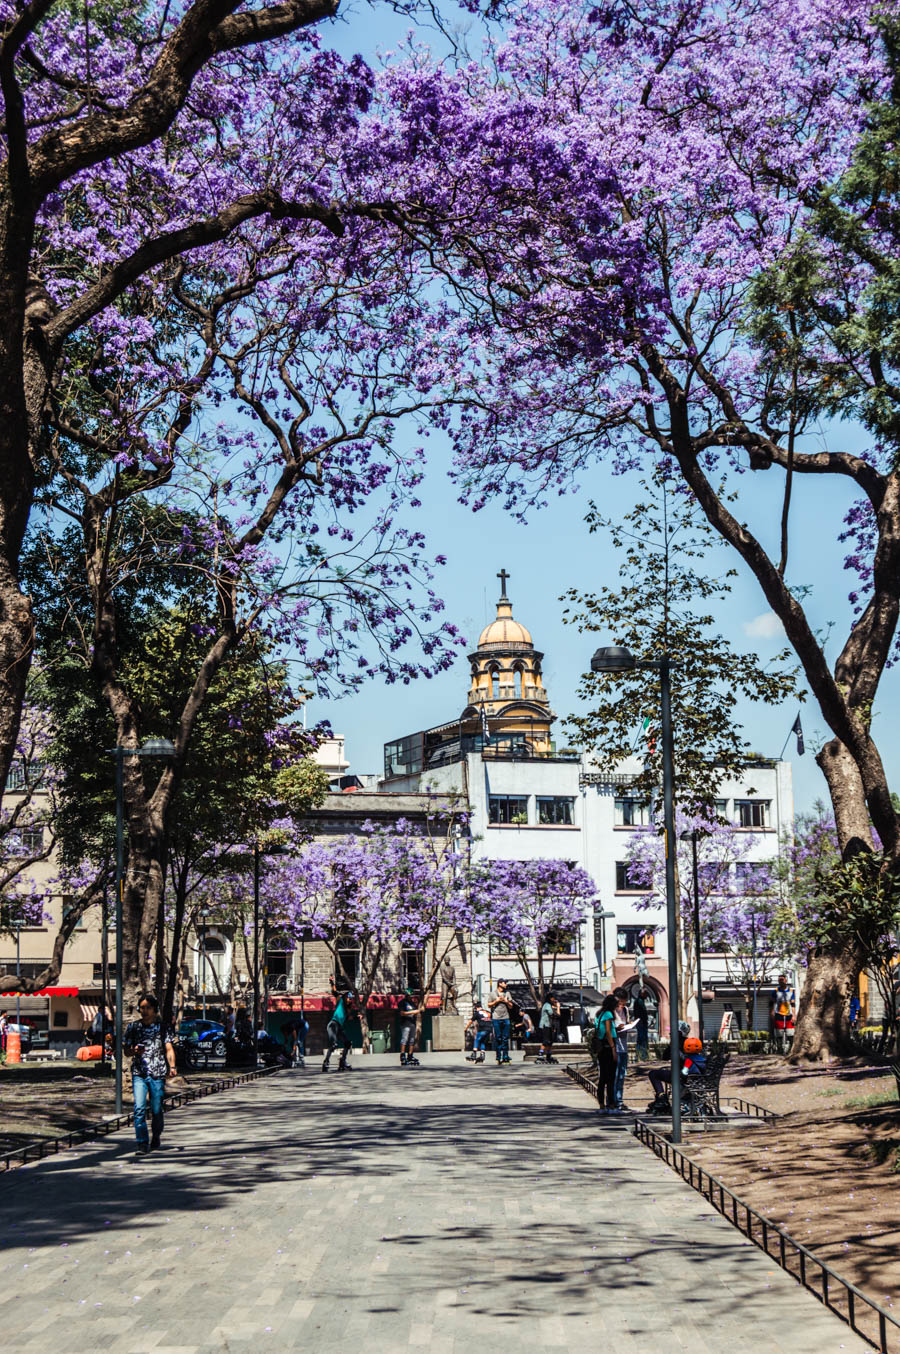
x=47, y=1147
x=838, y=1294
x=749, y=1108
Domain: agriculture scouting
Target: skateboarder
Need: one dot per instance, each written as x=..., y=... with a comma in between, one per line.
x=336, y=1029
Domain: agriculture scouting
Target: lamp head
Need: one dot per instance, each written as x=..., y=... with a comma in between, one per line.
x=157, y=747
x=615, y=658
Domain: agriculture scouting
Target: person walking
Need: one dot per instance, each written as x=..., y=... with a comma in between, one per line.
x=336, y=1029
x=4, y=1028
x=621, y=1048
x=151, y=1047
x=301, y=1028
x=606, y=1030
x=547, y=1027
x=406, y=1009
x=480, y=1025
x=642, y=1032
x=229, y=1020
x=500, y=1007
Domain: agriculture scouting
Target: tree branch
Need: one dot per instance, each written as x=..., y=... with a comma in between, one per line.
x=208, y=29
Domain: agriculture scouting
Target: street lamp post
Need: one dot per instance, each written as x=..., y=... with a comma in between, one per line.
x=620, y=659
x=753, y=962
x=18, y=969
x=276, y=849
x=203, y=914
x=154, y=747
x=693, y=837
x=255, y=942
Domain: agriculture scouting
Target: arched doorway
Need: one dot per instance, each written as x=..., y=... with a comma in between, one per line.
x=213, y=964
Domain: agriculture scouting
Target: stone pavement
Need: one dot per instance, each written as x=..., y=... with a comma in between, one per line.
x=450, y=1208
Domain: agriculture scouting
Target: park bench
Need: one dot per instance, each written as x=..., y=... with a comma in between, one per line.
x=699, y=1092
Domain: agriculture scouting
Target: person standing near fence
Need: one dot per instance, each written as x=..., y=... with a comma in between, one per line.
x=642, y=1033
x=621, y=1047
x=548, y=1026
x=500, y=1006
x=151, y=1047
x=606, y=1030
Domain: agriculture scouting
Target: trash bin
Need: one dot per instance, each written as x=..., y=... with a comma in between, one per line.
x=380, y=1041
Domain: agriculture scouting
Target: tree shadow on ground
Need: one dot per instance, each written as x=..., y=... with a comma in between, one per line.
x=283, y=1131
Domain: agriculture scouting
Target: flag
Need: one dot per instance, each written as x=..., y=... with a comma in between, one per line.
x=485, y=729
x=645, y=725
x=797, y=728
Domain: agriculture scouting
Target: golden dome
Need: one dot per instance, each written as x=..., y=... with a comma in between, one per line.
x=504, y=630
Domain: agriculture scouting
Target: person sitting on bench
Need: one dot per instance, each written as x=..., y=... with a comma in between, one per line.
x=692, y=1060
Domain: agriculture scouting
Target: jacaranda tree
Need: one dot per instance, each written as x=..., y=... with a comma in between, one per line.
x=532, y=909
x=714, y=274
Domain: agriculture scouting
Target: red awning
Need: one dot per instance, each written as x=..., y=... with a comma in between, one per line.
x=46, y=992
x=379, y=1001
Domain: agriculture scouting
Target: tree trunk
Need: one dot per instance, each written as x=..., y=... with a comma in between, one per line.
x=823, y=1018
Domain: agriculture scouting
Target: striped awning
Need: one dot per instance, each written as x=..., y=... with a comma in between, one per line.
x=88, y=1012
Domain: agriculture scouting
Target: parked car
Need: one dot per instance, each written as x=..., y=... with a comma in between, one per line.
x=24, y=1032
x=206, y=1033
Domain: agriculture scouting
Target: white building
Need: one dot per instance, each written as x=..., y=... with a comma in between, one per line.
x=528, y=800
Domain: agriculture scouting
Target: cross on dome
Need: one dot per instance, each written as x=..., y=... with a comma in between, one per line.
x=503, y=576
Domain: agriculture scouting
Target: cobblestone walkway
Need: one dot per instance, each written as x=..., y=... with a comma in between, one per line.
x=451, y=1209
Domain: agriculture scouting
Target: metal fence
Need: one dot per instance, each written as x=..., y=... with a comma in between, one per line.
x=865, y=1316
x=47, y=1147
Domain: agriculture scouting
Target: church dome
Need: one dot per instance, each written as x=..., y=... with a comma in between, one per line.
x=504, y=630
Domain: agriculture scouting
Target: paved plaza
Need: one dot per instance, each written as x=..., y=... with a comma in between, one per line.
x=451, y=1208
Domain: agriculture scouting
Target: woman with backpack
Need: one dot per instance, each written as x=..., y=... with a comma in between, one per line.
x=606, y=1030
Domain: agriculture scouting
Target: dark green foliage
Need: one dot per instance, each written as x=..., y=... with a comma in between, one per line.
x=660, y=607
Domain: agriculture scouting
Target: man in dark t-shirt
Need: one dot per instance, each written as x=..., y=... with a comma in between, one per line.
x=150, y=1045
x=407, y=1010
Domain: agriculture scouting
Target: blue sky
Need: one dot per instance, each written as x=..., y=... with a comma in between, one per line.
x=554, y=552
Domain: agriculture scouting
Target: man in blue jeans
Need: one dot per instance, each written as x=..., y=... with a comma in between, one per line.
x=500, y=1006
x=150, y=1046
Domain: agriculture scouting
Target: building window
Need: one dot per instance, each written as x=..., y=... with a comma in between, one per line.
x=412, y=969
x=25, y=841
x=623, y=883
x=23, y=774
x=635, y=939
x=751, y=876
x=508, y=809
x=279, y=960
x=751, y=812
x=495, y=684
x=405, y=756
x=630, y=812
x=517, y=675
x=558, y=809
x=721, y=808
x=67, y=908
x=713, y=877
x=347, y=969
x=98, y=972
